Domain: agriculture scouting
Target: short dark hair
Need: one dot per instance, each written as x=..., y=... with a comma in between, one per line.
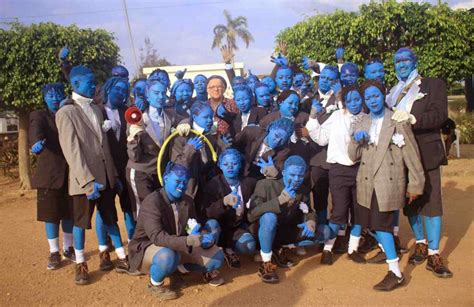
x=285, y=94
x=176, y=168
x=219, y=78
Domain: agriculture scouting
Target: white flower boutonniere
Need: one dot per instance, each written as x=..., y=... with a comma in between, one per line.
x=304, y=207
x=331, y=108
x=107, y=125
x=420, y=95
x=190, y=225
x=398, y=139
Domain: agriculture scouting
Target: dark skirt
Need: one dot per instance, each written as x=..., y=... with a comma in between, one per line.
x=430, y=203
x=373, y=218
x=54, y=205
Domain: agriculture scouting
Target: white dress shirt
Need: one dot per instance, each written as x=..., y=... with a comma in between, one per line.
x=245, y=119
x=114, y=117
x=375, y=128
x=85, y=104
x=157, y=122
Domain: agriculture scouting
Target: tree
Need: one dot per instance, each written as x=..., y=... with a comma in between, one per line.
x=29, y=57
x=231, y=31
x=149, y=56
x=442, y=38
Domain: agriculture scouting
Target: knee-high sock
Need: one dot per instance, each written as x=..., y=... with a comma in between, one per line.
x=416, y=224
x=52, y=233
x=354, y=239
x=79, y=235
x=328, y=244
x=130, y=224
x=67, y=226
x=164, y=262
x=100, y=231
x=114, y=232
x=246, y=244
x=214, y=228
x=212, y=264
x=266, y=234
x=433, y=231
x=388, y=244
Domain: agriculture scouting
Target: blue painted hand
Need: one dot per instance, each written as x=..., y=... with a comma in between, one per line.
x=196, y=142
x=96, y=192
x=361, y=136
x=38, y=147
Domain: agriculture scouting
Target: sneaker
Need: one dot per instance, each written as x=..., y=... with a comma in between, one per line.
x=213, y=278
x=435, y=264
x=232, y=260
x=177, y=281
x=368, y=245
x=419, y=255
x=105, y=262
x=69, y=254
x=380, y=258
x=54, y=261
x=399, y=247
x=390, y=282
x=267, y=272
x=300, y=251
x=326, y=258
x=357, y=257
x=82, y=274
x=122, y=266
x=281, y=258
x=162, y=292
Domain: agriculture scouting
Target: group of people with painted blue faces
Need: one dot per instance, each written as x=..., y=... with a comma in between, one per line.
x=283, y=144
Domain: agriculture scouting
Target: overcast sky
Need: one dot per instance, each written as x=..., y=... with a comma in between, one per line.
x=181, y=30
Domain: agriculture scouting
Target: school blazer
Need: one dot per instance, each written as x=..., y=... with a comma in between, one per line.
x=383, y=168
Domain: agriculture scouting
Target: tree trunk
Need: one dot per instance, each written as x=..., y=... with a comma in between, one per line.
x=24, y=151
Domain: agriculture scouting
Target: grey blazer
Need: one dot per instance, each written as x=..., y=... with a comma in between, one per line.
x=383, y=168
x=87, y=153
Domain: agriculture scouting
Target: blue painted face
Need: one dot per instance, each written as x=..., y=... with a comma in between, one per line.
x=298, y=81
x=139, y=89
x=238, y=81
x=349, y=76
x=205, y=119
x=404, y=64
x=156, y=95
x=326, y=79
x=284, y=78
x=270, y=83
x=175, y=185
x=184, y=92
x=52, y=98
x=118, y=94
x=276, y=137
x=374, y=100
x=353, y=102
x=230, y=166
x=375, y=71
x=200, y=85
x=289, y=106
x=84, y=85
x=263, y=96
x=306, y=87
x=243, y=101
x=293, y=176
x=252, y=82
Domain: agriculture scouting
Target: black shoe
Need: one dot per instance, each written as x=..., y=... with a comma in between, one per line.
x=419, y=255
x=435, y=264
x=82, y=274
x=267, y=272
x=162, y=292
x=54, y=261
x=213, y=278
x=326, y=258
x=399, y=247
x=122, y=266
x=357, y=257
x=390, y=282
x=380, y=258
x=105, y=262
x=177, y=281
x=69, y=254
x=282, y=259
x=232, y=260
x=368, y=245
x=340, y=245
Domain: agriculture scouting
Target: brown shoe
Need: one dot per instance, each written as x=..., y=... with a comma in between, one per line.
x=390, y=282
x=105, y=262
x=162, y=292
x=82, y=274
x=232, y=260
x=54, y=261
x=213, y=278
x=122, y=266
x=282, y=258
x=267, y=272
x=419, y=255
x=357, y=257
x=326, y=258
x=435, y=264
x=380, y=258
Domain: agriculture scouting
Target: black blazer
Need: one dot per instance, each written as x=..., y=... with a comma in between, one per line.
x=235, y=119
x=118, y=147
x=51, y=169
x=156, y=225
x=431, y=112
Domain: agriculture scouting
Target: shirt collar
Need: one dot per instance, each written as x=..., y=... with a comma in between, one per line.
x=198, y=128
x=410, y=78
x=81, y=100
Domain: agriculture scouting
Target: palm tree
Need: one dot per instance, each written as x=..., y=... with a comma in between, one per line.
x=235, y=28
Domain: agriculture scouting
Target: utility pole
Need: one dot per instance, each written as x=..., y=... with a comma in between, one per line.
x=130, y=37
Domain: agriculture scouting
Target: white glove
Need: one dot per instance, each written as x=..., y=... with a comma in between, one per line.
x=134, y=130
x=401, y=116
x=183, y=129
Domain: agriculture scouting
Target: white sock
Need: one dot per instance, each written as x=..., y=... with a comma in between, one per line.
x=182, y=269
x=381, y=247
x=266, y=257
x=421, y=241
x=393, y=266
x=103, y=248
x=353, y=244
x=395, y=230
x=67, y=240
x=432, y=252
x=79, y=256
x=120, y=251
x=329, y=244
x=53, y=245
x=341, y=232
x=155, y=283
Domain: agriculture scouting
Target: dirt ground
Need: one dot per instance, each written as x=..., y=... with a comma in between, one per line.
x=24, y=279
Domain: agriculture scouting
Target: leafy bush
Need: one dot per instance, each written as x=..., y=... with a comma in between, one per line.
x=465, y=124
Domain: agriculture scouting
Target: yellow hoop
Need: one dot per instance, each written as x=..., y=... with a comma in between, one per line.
x=168, y=139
